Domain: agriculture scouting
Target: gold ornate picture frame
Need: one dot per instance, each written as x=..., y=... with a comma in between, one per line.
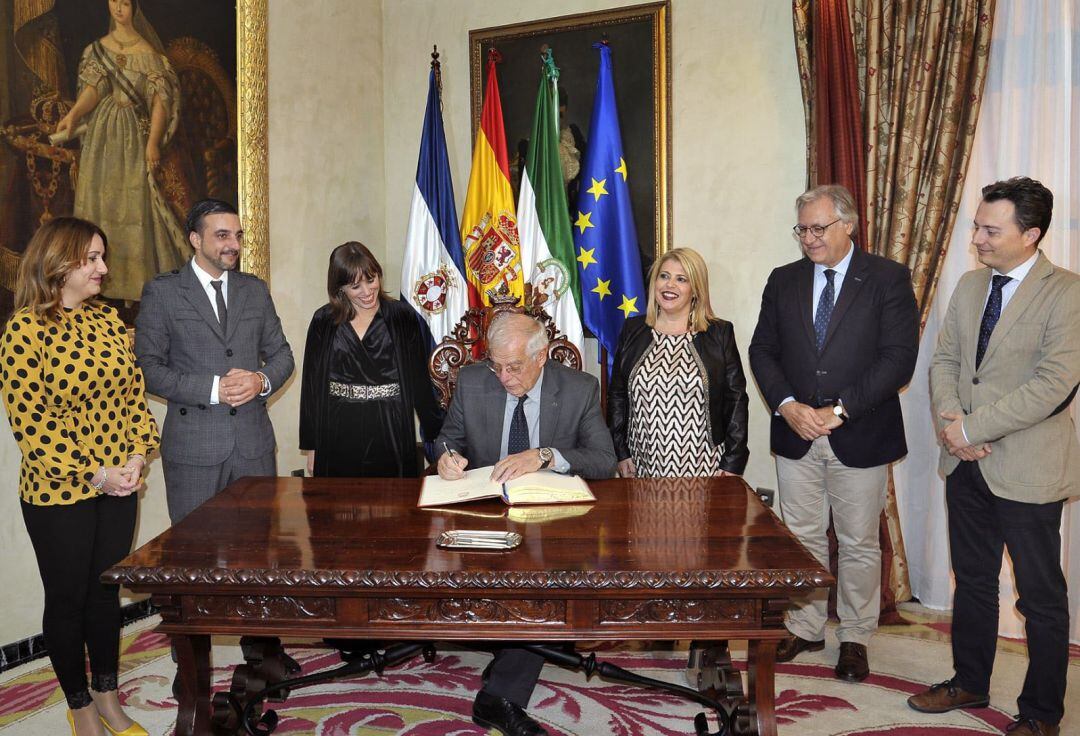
x=253, y=161
x=216, y=143
x=640, y=39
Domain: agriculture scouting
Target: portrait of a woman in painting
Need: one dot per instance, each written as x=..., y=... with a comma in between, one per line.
x=122, y=112
x=126, y=113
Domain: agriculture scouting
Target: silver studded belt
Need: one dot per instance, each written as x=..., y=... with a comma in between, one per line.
x=356, y=392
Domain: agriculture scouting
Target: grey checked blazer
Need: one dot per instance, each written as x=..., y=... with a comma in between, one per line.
x=180, y=347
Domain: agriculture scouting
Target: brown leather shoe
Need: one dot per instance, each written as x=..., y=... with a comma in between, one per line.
x=792, y=646
x=1031, y=727
x=852, y=665
x=946, y=696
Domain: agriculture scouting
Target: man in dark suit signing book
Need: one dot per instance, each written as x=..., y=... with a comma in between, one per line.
x=521, y=413
x=836, y=340
x=210, y=343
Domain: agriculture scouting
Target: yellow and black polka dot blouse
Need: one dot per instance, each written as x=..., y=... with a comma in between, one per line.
x=75, y=399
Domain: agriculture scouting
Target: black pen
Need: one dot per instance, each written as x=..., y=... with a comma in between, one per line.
x=453, y=455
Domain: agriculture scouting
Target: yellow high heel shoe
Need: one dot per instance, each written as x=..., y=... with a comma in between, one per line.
x=133, y=730
x=71, y=722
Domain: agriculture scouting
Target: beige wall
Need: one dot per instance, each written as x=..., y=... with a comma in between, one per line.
x=347, y=95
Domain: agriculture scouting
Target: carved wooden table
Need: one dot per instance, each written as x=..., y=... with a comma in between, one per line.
x=665, y=559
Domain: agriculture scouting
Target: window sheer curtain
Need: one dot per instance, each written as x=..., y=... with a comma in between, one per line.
x=1030, y=125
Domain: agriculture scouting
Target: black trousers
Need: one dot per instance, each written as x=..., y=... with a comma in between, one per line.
x=513, y=675
x=980, y=525
x=74, y=545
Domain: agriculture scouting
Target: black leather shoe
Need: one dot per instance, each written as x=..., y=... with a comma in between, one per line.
x=508, y=719
x=852, y=665
x=793, y=646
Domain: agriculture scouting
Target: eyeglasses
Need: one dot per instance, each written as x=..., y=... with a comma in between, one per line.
x=511, y=368
x=800, y=231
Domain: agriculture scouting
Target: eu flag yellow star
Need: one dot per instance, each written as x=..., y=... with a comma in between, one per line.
x=586, y=257
x=603, y=288
x=583, y=220
x=628, y=306
x=597, y=189
x=622, y=168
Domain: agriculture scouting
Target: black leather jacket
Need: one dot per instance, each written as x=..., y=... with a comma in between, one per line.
x=728, y=402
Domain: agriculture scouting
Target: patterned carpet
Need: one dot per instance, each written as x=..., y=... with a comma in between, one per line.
x=420, y=699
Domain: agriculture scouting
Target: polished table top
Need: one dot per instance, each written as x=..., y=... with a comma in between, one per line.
x=368, y=534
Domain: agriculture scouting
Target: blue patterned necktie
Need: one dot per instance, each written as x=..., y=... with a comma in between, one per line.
x=824, y=309
x=519, y=429
x=990, y=316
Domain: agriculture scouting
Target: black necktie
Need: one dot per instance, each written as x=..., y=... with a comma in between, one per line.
x=990, y=316
x=824, y=309
x=519, y=429
x=219, y=298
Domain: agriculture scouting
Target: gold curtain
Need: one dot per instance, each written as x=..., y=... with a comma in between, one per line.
x=922, y=66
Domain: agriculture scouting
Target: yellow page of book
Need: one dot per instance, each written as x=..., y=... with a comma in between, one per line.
x=546, y=486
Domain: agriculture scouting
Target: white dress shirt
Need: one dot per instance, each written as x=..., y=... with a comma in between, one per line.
x=841, y=270
x=206, y=280
x=532, y=417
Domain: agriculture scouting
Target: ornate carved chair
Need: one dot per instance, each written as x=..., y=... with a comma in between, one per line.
x=467, y=344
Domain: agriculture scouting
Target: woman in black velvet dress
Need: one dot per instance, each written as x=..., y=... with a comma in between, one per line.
x=365, y=376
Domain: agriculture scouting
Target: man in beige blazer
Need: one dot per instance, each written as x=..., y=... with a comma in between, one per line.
x=1001, y=382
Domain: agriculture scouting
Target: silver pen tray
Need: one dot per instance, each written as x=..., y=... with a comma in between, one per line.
x=466, y=539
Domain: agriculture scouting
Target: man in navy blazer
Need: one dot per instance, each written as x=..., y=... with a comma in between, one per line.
x=836, y=339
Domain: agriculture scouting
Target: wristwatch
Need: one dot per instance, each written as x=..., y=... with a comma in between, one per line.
x=546, y=457
x=838, y=410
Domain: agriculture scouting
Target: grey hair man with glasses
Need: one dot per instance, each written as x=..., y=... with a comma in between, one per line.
x=836, y=340
x=520, y=413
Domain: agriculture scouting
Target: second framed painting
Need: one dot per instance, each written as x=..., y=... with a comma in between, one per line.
x=640, y=40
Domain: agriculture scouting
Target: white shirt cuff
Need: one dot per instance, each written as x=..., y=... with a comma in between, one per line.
x=214, y=391
x=559, y=464
x=788, y=400
x=963, y=432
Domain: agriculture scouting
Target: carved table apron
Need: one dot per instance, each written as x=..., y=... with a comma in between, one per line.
x=661, y=559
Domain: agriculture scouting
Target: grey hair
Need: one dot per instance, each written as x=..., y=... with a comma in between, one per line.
x=843, y=202
x=506, y=326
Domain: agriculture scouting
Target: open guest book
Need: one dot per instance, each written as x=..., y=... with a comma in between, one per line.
x=541, y=487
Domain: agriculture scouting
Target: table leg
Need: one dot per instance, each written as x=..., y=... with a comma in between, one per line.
x=761, y=686
x=193, y=668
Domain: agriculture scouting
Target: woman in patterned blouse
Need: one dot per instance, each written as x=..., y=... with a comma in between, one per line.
x=677, y=403
x=75, y=400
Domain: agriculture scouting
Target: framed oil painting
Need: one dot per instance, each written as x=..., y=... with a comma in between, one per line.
x=640, y=40
x=125, y=112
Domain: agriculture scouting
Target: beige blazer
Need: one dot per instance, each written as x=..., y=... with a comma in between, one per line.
x=1030, y=366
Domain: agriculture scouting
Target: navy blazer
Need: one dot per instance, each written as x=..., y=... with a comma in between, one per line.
x=869, y=355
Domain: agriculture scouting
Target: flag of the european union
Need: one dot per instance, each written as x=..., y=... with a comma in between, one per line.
x=605, y=241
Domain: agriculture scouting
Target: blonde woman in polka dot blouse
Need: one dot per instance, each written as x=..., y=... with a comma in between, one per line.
x=77, y=407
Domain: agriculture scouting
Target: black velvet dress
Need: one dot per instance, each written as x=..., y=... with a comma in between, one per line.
x=353, y=433
x=362, y=434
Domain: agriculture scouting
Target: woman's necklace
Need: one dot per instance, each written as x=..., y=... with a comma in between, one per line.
x=122, y=44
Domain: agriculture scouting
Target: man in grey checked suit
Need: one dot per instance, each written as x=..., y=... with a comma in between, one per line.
x=210, y=342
